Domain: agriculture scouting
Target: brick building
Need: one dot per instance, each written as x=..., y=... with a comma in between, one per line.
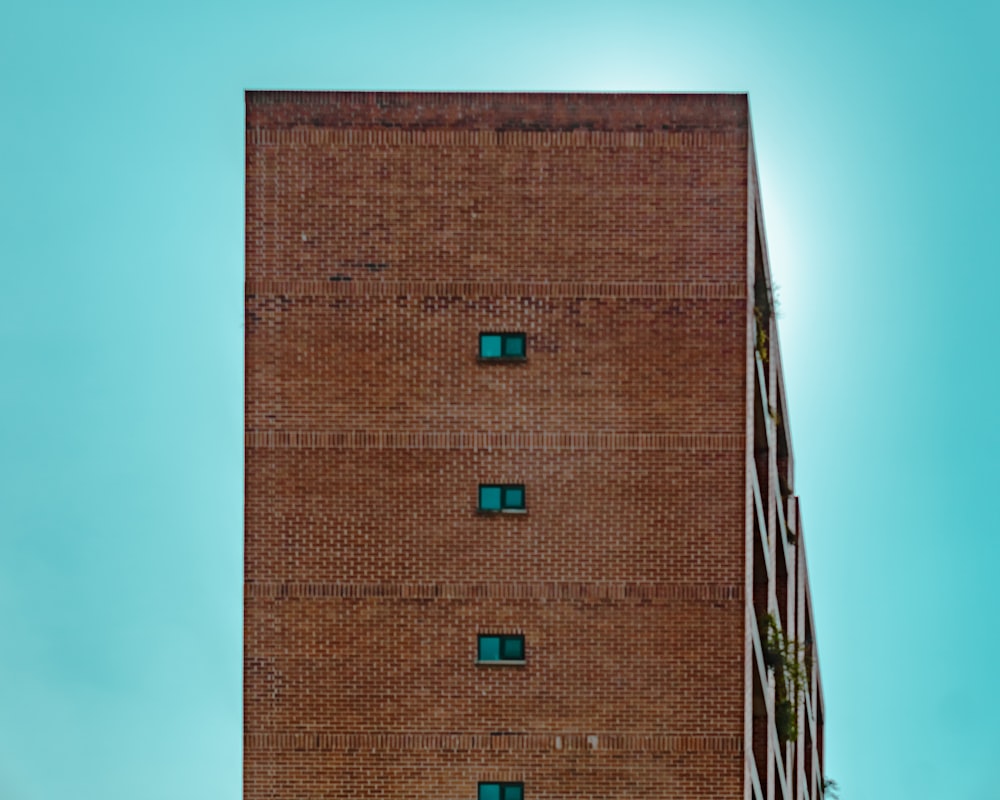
x=520, y=509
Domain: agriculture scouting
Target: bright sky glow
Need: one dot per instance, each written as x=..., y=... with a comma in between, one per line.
x=121, y=179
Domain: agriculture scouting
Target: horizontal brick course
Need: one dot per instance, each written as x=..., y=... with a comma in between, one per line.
x=370, y=284
x=497, y=740
x=506, y=590
x=504, y=111
x=436, y=440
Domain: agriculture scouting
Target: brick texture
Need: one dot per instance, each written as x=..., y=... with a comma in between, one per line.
x=384, y=232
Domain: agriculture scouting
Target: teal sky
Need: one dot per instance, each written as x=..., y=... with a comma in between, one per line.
x=121, y=250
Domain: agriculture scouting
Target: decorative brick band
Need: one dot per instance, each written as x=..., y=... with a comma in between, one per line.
x=581, y=137
x=539, y=590
x=457, y=742
x=456, y=440
x=346, y=286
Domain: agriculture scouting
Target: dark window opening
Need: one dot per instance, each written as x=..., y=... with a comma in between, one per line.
x=501, y=497
x=502, y=346
x=501, y=648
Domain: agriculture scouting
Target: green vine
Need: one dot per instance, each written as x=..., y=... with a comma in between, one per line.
x=788, y=660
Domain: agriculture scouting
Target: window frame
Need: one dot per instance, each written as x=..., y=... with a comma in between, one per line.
x=502, y=637
x=505, y=336
x=502, y=786
x=505, y=507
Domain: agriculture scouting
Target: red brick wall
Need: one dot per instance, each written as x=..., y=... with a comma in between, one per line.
x=384, y=232
x=685, y=767
x=331, y=514
x=630, y=365
x=406, y=665
x=388, y=196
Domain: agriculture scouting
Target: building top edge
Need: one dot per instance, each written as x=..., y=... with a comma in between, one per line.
x=611, y=111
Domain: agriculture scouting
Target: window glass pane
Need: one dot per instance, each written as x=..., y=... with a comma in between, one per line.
x=490, y=345
x=489, y=791
x=513, y=345
x=513, y=648
x=513, y=497
x=513, y=791
x=489, y=648
x=489, y=498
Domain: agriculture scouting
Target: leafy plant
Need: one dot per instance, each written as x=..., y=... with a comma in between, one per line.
x=764, y=308
x=788, y=660
x=831, y=789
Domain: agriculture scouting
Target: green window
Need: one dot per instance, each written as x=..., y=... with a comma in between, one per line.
x=501, y=497
x=501, y=648
x=502, y=345
x=501, y=791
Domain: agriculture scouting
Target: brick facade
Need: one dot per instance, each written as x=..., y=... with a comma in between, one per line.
x=621, y=234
